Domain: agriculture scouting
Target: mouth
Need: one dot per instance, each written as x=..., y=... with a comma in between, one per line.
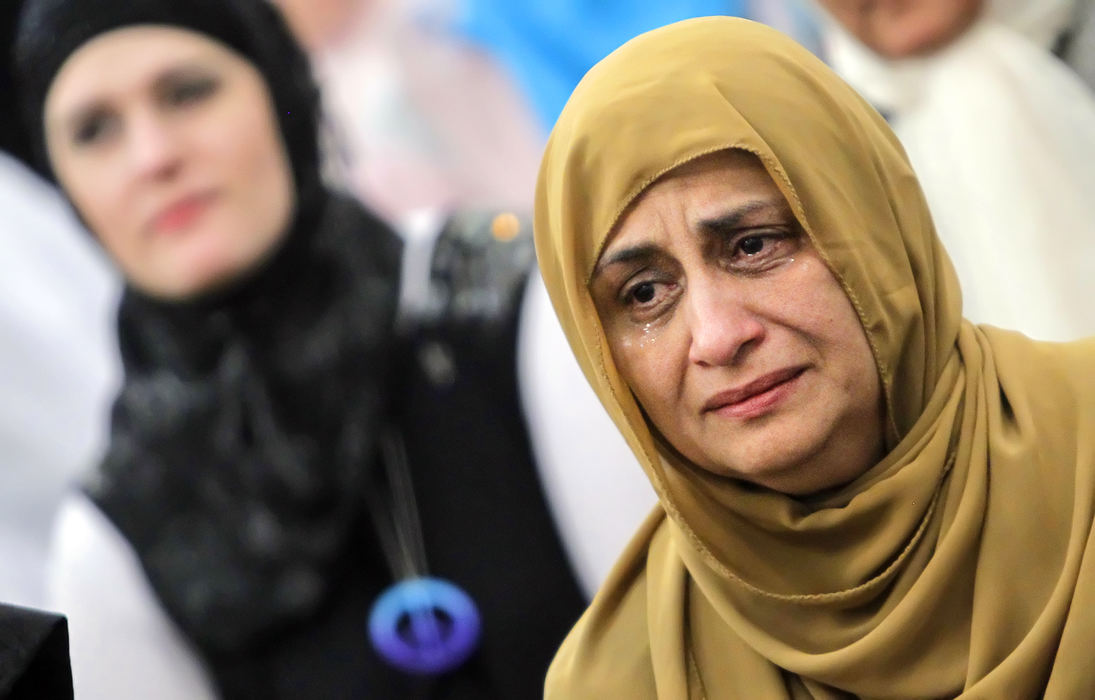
x=756, y=397
x=181, y=213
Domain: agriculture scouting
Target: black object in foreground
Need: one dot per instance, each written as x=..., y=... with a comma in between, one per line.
x=34, y=660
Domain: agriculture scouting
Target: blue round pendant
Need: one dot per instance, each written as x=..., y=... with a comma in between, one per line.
x=424, y=625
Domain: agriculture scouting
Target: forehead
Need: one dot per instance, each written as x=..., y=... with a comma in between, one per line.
x=704, y=189
x=128, y=58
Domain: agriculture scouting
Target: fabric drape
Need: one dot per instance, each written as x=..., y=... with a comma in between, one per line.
x=956, y=566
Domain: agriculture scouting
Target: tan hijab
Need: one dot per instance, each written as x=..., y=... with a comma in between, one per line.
x=959, y=564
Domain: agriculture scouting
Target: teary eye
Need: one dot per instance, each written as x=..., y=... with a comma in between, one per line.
x=759, y=250
x=751, y=245
x=643, y=292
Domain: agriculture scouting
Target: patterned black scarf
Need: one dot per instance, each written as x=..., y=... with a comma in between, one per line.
x=242, y=436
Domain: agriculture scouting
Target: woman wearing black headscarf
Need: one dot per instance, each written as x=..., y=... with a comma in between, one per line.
x=257, y=337
x=256, y=324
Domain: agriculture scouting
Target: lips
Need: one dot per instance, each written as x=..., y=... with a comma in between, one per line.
x=181, y=213
x=755, y=397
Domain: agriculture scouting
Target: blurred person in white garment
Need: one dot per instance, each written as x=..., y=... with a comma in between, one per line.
x=994, y=102
x=58, y=366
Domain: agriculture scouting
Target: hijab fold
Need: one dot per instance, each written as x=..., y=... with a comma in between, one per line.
x=951, y=567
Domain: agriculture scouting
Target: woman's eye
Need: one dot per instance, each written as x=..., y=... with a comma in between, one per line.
x=759, y=251
x=643, y=292
x=92, y=129
x=191, y=91
x=751, y=245
x=647, y=295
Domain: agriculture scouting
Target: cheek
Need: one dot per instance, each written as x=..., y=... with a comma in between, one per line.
x=851, y=350
x=247, y=148
x=830, y=320
x=101, y=203
x=649, y=363
x=266, y=154
x=811, y=300
x=269, y=170
x=867, y=383
x=251, y=161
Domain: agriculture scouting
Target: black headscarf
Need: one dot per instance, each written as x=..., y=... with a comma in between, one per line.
x=245, y=428
x=12, y=140
x=49, y=31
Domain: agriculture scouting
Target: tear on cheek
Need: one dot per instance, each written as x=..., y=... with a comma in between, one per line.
x=647, y=336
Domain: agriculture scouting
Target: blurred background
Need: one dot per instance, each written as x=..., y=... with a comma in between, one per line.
x=441, y=108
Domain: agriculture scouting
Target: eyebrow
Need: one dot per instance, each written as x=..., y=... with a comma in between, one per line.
x=732, y=220
x=626, y=255
x=93, y=106
x=80, y=114
x=721, y=224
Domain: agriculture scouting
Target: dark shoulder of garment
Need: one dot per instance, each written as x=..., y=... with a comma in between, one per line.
x=486, y=520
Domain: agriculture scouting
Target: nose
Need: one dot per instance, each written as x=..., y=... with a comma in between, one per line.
x=154, y=151
x=723, y=324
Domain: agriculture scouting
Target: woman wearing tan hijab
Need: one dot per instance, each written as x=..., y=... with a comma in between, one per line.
x=861, y=494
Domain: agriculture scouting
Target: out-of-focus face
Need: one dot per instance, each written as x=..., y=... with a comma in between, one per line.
x=167, y=143
x=318, y=24
x=900, y=28
x=736, y=339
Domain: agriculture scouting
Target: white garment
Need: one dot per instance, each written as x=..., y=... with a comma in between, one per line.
x=1002, y=136
x=58, y=368
x=122, y=644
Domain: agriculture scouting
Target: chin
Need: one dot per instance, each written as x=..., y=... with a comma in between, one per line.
x=211, y=268
x=193, y=284
x=776, y=463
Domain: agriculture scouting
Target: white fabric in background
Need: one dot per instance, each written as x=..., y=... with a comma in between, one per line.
x=1002, y=136
x=597, y=492
x=58, y=368
x=122, y=644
